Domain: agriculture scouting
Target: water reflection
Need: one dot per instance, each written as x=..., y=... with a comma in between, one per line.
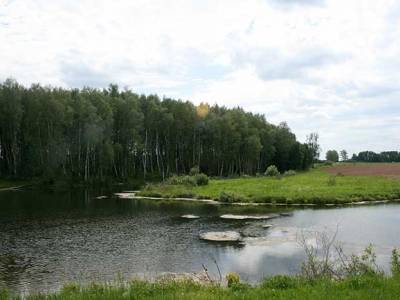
x=48, y=238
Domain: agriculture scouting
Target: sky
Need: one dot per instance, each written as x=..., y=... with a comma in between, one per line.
x=326, y=66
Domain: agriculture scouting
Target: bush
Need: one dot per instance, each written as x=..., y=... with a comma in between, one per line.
x=232, y=278
x=230, y=197
x=272, y=171
x=365, y=264
x=395, y=263
x=194, y=171
x=185, y=180
x=289, y=173
x=201, y=179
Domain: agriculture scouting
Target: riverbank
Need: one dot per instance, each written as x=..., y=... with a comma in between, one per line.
x=317, y=186
x=7, y=185
x=278, y=287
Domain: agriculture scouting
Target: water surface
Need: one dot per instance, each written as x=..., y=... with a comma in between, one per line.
x=50, y=238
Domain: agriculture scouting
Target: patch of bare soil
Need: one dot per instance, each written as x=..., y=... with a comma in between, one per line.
x=373, y=169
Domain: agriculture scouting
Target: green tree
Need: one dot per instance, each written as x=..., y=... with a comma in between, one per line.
x=90, y=134
x=313, y=144
x=343, y=155
x=332, y=155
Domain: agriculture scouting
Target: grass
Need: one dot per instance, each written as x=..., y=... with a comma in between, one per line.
x=278, y=287
x=316, y=186
x=6, y=183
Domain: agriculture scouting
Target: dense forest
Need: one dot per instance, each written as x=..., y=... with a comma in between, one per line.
x=370, y=156
x=91, y=134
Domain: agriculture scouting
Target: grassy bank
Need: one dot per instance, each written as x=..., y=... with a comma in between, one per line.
x=9, y=184
x=279, y=287
x=316, y=186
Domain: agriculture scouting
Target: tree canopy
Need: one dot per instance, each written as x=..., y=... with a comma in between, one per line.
x=370, y=156
x=91, y=134
x=332, y=155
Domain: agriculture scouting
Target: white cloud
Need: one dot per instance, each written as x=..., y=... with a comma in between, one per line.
x=329, y=66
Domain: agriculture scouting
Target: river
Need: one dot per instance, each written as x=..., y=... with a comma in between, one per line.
x=50, y=238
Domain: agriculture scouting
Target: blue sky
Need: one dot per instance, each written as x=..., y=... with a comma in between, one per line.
x=331, y=66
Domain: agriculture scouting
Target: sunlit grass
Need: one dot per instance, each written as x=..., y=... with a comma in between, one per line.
x=360, y=287
x=316, y=186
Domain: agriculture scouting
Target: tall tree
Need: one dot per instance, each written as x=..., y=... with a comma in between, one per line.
x=343, y=155
x=91, y=134
x=313, y=144
x=332, y=155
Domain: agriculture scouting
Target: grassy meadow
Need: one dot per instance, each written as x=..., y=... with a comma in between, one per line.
x=316, y=186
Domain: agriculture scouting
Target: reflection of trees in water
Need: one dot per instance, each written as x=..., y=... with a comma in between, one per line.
x=12, y=267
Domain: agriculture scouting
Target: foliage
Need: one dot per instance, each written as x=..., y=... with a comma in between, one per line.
x=343, y=155
x=395, y=263
x=230, y=197
x=325, y=259
x=364, y=264
x=201, y=179
x=184, y=180
x=289, y=173
x=232, y=279
x=272, y=171
x=194, y=171
x=94, y=135
x=370, y=156
x=313, y=144
x=332, y=155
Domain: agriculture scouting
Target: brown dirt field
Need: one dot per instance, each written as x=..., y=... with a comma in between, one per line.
x=372, y=169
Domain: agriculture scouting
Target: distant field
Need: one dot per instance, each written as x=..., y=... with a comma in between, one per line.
x=323, y=185
x=370, y=169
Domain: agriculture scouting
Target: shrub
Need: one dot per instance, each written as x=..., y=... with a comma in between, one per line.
x=194, y=171
x=395, y=263
x=201, y=179
x=230, y=197
x=177, y=180
x=289, y=173
x=365, y=264
x=272, y=171
x=232, y=278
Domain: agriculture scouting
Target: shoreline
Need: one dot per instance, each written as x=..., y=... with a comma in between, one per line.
x=132, y=195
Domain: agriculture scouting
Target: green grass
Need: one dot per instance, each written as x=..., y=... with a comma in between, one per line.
x=316, y=186
x=280, y=287
x=6, y=183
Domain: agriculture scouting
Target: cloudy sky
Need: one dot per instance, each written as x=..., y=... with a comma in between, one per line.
x=331, y=66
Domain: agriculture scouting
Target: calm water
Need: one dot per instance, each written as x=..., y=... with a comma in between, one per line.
x=47, y=239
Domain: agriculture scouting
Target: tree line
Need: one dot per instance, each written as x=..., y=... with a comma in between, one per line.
x=370, y=156
x=91, y=134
